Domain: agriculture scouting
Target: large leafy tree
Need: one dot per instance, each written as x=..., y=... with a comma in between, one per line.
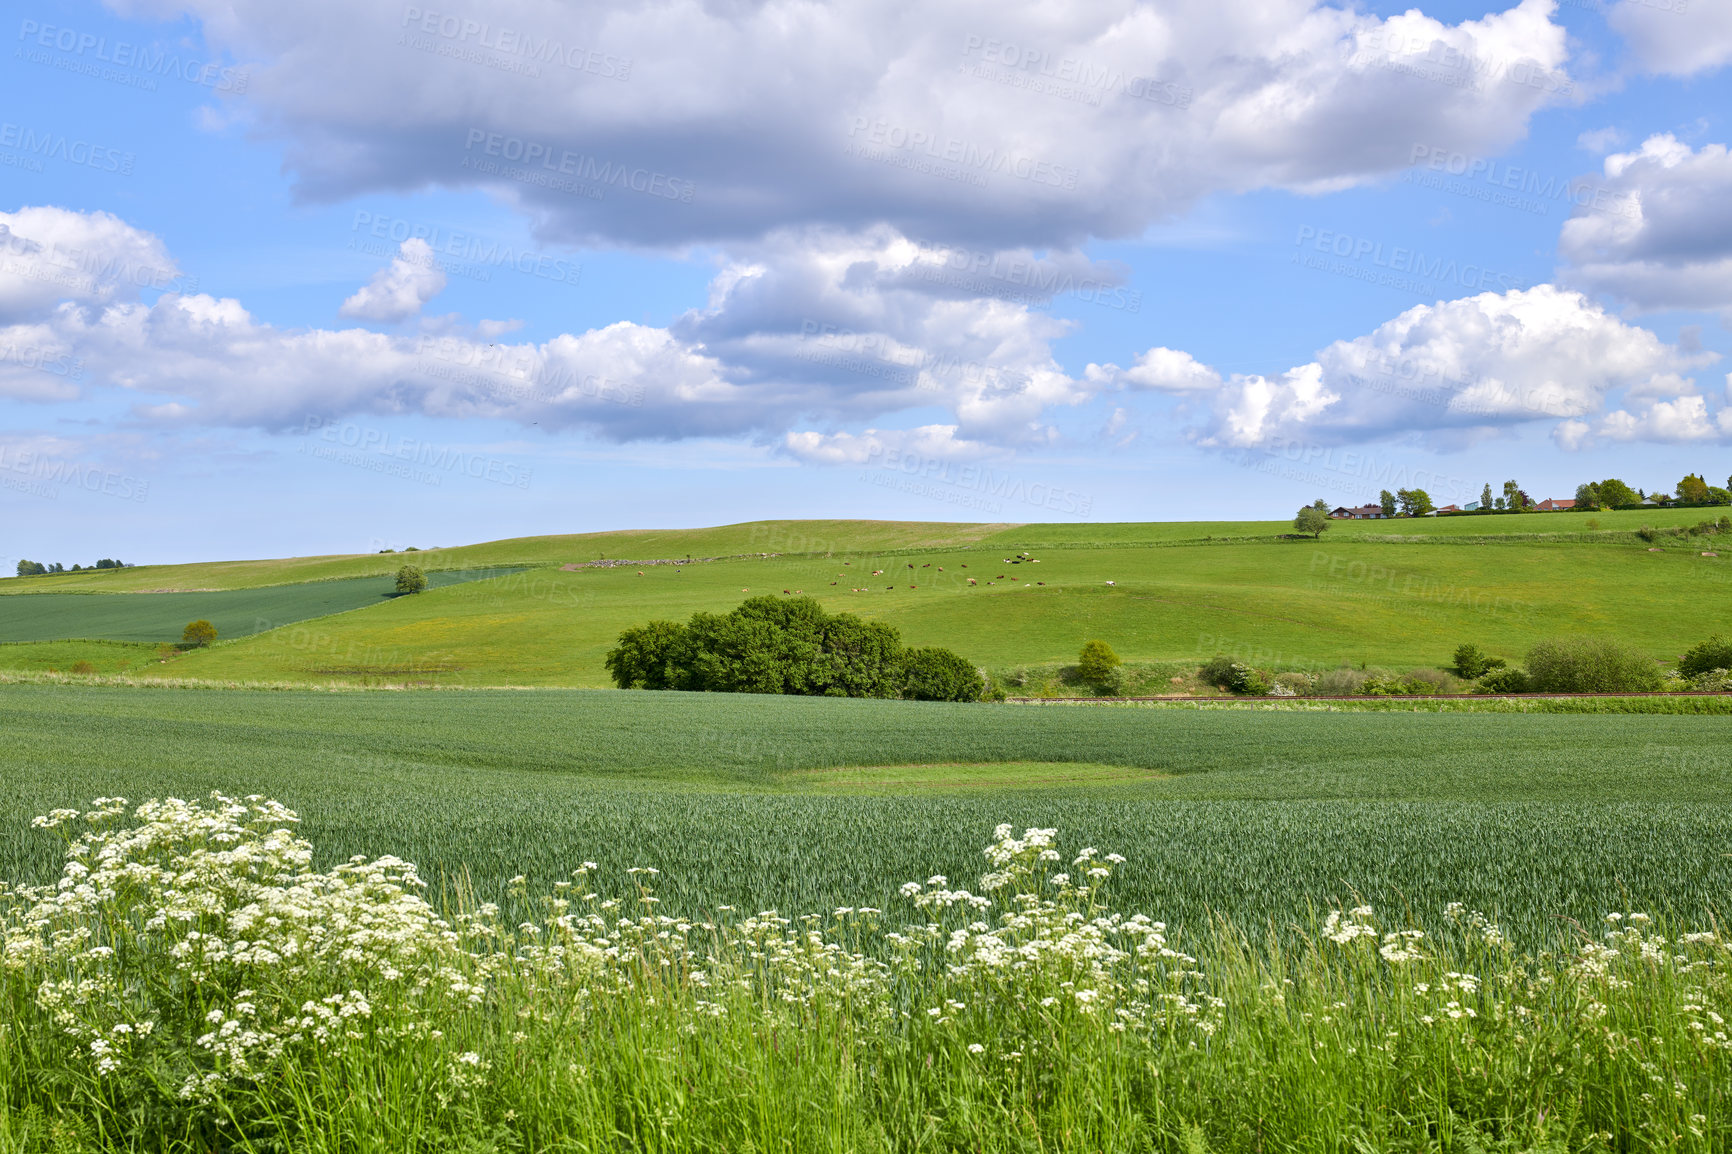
x=1693, y=490
x=780, y=645
x=1614, y=493
x=1414, y=502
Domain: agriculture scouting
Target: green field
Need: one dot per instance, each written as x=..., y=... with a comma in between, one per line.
x=158, y=617
x=804, y=804
x=1399, y=594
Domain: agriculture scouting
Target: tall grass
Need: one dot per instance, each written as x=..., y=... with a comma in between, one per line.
x=192, y=983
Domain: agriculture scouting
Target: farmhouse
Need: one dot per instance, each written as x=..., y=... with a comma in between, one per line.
x=1362, y=513
x=1551, y=505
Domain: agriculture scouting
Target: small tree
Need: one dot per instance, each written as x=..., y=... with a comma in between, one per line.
x=411, y=580
x=1386, y=500
x=1312, y=520
x=1472, y=662
x=1588, y=496
x=198, y=634
x=1513, y=497
x=1485, y=496
x=1098, y=664
x=31, y=569
x=1693, y=490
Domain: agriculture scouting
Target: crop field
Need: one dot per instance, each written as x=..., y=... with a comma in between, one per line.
x=160, y=617
x=805, y=804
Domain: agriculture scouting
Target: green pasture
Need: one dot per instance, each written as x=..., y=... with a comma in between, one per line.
x=158, y=617
x=803, y=804
x=1288, y=603
x=819, y=537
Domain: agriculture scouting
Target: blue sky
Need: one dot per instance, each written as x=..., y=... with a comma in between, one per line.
x=330, y=278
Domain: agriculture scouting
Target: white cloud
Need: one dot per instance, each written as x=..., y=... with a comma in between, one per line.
x=936, y=443
x=1685, y=419
x=931, y=115
x=1661, y=236
x=1479, y=363
x=1160, y=369
x=49, y=255
x=398, y=290
x=1675, y=37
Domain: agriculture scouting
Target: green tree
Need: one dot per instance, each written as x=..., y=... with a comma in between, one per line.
x=935, y=674
x=1705, y=657
x=1472, y=662
x=198, y=634
x=1693, y=490
x=31, y=569
x=1312, y=520
x=1387, y=500
x=411, y=580
x=1614, y=493
x=1513, y=497
x=1097, y=663
x=647, y=656
x=1414, y=502
x=1485, y=496
x=1588, y=496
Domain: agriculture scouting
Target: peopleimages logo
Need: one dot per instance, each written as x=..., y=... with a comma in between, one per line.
x=466, y=248
x=153, y=61
x=49, y=146
x=379, y=451
x=461, y=30
x=530, y=153
x=34, y=473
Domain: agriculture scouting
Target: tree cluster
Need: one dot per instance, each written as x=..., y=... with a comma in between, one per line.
x=1614, y=494
x=38, y=569
x=790, y=646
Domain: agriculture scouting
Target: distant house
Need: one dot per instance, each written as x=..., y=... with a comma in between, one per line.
x=1470, y=506
x=1362, y=513
x=1550, y=505
x=1450, y=509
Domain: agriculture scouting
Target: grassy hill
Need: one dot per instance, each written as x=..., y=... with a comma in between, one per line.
x=1397, y=593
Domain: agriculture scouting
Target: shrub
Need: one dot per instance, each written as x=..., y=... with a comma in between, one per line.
x=1235, y=677
x=1708, y=681
x=644, y=658
x=1471, y=662
x=1386, y=683
x=1647, y=533
x=411, y=580
x=1504, y=679
x=1703, y=656
x=198, y=634
x=83, y=667
x=1339, y=682
x=1435, y=680
x=1590, y=665
x=1097, y=663
x=1293, y=685
x=935, y=674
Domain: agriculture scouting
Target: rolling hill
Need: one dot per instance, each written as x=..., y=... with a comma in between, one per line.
x=1395, y=593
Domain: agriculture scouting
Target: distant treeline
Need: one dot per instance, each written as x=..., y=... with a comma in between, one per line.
x=38, y=569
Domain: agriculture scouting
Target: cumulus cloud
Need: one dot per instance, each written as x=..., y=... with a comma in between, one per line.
x=398, y=290
x=1675, y=37
x=802, y=329
x=925, y=443
x=49, y=255
x=1162, y=370
x=1662, y=237
x=1475, y=364
x=1004, y=126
